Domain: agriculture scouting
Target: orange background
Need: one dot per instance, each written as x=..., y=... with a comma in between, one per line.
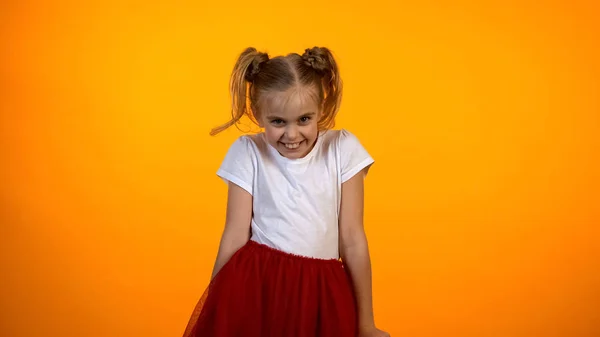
x=484, y=118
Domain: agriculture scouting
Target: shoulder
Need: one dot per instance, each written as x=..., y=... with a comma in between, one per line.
x=241, y=162
x=341, y=140
x=346, y=137
x=245, y=141
x=249, y=144
x=350, y=154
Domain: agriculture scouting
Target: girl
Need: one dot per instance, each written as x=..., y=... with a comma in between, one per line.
x=294, y=208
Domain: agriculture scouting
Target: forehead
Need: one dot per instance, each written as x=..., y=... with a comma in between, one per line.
x=290, y=103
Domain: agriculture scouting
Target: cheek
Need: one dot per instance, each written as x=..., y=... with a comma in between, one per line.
x=311, y=131
x=273, y=134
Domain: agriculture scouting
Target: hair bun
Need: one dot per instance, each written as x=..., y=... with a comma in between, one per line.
x=317, y=59
x=254, y=67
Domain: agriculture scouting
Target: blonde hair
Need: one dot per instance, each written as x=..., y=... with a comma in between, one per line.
x=255, y=74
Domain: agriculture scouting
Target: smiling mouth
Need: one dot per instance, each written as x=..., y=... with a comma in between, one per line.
x=292, y=146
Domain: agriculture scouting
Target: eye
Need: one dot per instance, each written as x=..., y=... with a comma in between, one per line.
x=305, y=119
x=277, y=122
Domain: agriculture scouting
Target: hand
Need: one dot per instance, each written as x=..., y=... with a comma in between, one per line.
x=372, y=332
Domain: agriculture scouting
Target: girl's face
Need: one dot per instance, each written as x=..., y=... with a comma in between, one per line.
x=290, y=121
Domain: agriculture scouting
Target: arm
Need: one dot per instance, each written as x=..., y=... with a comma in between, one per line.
x=355, y=252
x=237, y=225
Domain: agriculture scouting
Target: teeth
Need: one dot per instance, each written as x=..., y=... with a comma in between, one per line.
x=291, y=145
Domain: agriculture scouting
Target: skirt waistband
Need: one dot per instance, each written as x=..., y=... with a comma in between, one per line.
x=256, y=245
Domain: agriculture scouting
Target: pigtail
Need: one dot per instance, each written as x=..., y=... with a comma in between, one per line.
x=244, y=72
x=322, y=61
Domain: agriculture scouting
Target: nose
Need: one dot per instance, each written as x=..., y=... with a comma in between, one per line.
x=291, y=132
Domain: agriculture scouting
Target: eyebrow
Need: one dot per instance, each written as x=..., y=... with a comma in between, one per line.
x=305, y=115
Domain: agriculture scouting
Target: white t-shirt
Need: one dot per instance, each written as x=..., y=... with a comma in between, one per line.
x=296, y=202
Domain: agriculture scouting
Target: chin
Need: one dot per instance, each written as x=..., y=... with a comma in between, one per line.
x=294, y=155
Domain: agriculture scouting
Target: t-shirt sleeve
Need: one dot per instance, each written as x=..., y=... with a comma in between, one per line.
x=354, y=157
x=239, y=166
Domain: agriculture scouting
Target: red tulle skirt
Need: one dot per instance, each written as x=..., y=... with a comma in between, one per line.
x=264, y=292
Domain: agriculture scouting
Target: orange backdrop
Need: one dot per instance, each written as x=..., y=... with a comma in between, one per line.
x=484, y=118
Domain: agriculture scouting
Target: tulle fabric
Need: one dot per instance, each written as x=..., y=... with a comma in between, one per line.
x=264, y=292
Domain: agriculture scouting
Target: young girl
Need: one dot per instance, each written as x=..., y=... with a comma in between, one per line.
x=294, y=208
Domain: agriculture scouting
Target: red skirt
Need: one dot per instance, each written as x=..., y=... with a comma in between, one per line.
x=264, y=292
